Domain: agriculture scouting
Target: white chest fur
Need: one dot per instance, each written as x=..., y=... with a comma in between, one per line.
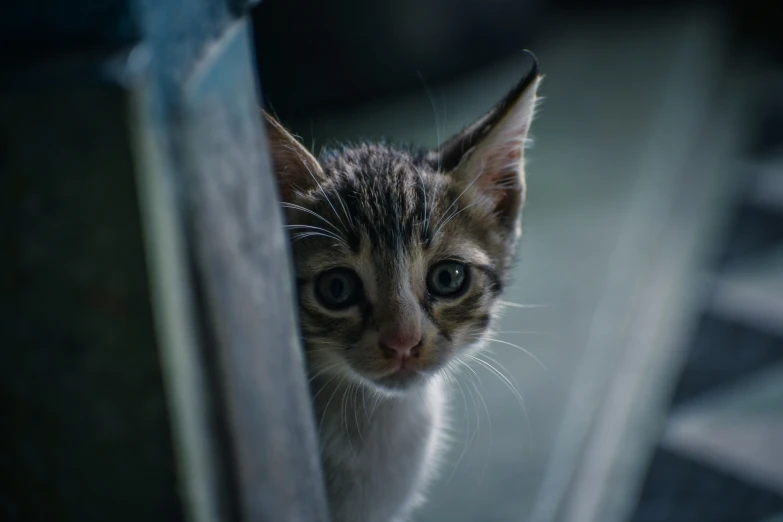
x=379, y=453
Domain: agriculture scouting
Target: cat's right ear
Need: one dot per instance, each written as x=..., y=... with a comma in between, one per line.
x=296, y=169
x=487, y=157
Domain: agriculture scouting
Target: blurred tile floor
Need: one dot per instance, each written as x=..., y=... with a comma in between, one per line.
x=720, y=457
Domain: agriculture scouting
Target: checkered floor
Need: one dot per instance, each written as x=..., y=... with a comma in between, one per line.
x=720, y=456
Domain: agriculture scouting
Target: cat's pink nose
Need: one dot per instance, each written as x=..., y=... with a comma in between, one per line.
x=401, y=344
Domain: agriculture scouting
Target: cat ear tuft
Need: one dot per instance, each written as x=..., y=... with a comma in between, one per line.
x=296, y=169
x=489, y=154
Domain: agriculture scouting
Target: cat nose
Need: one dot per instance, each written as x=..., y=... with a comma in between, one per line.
x=400, y=344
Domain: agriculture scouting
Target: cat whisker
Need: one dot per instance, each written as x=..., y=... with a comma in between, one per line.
x=453, y=367
x=345, y=211
x=467, y=441
x=500, y=365
x=316, y=214
x=326, y=408
x=372, y=408
x=364, y=404
x=515, y=387
x=532, y=332
x=489, y=422
x=505, y=381
x=438, y=148
x=344, y=413
x=481, y=171
x=316, y=340
x=435, y=113
x=475, y=409
x=321, y=371
x=477, y=432
x=424, y=191
x=528, y=352
x=312, y=227
x=454, y=214
x=296, y=226
x=453, y=379
x=493, y=370
x=476, y=332
x=443, y=106
x=521, y=305
x=375, y=403
x=319, y=350
x=322, y=388
x=355, y=410
x=305, y=235
x=309, y=171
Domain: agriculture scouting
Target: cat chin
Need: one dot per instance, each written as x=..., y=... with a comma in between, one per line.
x=396, y=384
x=401, y=384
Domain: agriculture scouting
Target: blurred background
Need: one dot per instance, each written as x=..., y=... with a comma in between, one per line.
x=650, y=276
x=150, y=368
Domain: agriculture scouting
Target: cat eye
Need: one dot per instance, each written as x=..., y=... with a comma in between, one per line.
x=338, y=288
x=448, y=279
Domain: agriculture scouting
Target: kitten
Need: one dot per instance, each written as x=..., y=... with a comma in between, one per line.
x=401, y=258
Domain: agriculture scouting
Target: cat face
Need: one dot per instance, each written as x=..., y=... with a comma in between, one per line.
x=400, y=257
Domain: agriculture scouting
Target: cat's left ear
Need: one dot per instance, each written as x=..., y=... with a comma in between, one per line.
x=297, y=170
x=488, y=156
